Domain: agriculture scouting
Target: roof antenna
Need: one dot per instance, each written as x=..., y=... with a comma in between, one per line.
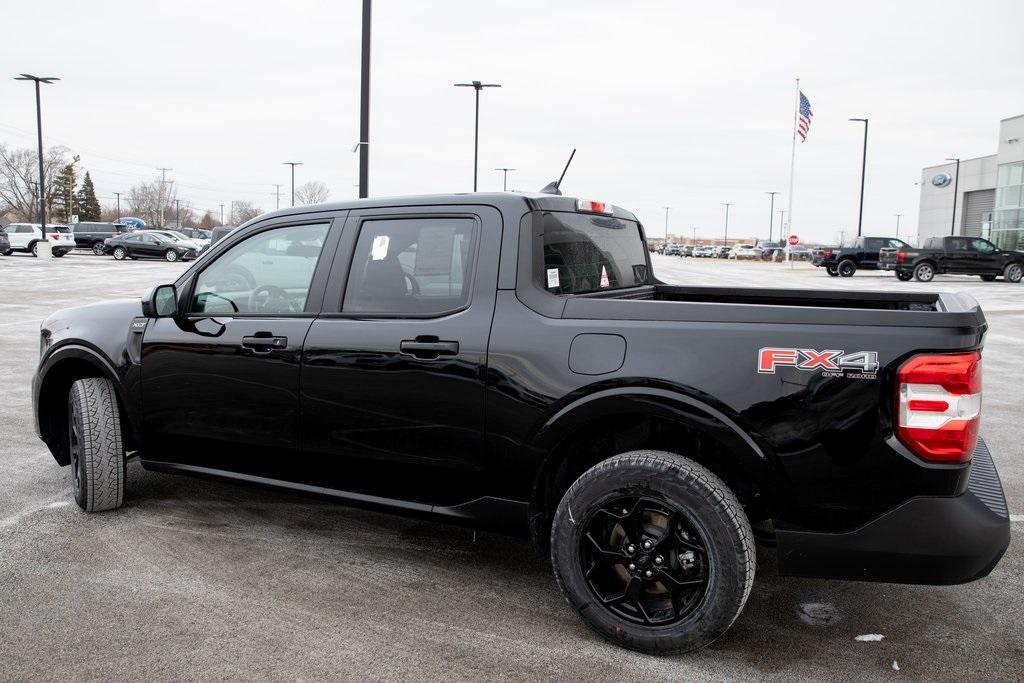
x=553, y=187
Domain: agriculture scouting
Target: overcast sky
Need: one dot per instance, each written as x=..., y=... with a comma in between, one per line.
x=670, y=103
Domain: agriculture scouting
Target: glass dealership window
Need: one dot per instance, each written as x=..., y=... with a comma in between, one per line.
x=1007, y=220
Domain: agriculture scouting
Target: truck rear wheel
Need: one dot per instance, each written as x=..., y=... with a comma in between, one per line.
x=904, y=276
x=831, y=270
x=847, y=268
x=924, y=272
x=653, y=551
x=988, y=278
x=1013, y=272
x=95, y=445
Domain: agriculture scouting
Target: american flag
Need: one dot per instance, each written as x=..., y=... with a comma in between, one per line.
x=803, y=122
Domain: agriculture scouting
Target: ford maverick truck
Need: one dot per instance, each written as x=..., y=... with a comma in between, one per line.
x=511, y=362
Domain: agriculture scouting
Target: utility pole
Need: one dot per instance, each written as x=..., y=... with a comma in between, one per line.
x=39, y=132
x=504, y=179
x=364, y=110
x=177, y=212
x=277, y=195
x=863, y=166
x=726, y=205
x=477, y=86
x=782, y=223
x=293, y=164
x=118, y=195
x=694, y=235
x=898, y=216
x=222, y=214
x=956, y=191
x=771, y=214
x=160, y=198
x=666, y=222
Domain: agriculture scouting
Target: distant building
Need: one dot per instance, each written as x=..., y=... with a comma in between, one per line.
x=989, y=193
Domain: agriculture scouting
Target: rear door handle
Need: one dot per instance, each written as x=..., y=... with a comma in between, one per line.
x=264, y=344
x=429, y=349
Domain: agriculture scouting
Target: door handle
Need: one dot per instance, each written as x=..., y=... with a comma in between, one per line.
x=264, y=344
x=429, y=347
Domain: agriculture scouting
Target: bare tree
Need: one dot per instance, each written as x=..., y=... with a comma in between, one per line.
x=145, y=200
x=242, y=211
x=19, y=179
x=313, y=192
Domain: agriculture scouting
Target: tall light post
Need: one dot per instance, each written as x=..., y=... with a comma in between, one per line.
x=39, y=132
x=694, y=228
x=293, y=164
x=782, y=223
x=898, y=216
x=771, y=214
x=956, y=190
x=364, y=111
x=863, y=166
x=725, y=242
x=504, y=177
x=666, y=222
x=477, y=86
x=118, y=195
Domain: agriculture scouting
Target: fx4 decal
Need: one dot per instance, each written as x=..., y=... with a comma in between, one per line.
x=830, y=362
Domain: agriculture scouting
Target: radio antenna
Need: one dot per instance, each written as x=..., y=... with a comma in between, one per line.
x=555, y=187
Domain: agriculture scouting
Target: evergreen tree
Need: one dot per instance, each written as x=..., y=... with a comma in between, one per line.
x=207, y=223
x=62, y=200
x=88, y=205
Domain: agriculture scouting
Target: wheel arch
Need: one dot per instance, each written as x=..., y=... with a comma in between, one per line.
x=61, y=369
x=604, y=423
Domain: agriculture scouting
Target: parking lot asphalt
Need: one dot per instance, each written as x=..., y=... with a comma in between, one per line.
x=194, y=579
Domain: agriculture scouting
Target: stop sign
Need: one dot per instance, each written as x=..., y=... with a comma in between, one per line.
x=793, y=240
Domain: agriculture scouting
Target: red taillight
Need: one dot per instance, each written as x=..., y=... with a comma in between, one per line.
x=938, y=405
x=826, y=253
x=593, y=206
x=901, y=256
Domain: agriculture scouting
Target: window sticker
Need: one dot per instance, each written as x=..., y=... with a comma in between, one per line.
x=379, y=250
x=552, y=277
x=604, y=277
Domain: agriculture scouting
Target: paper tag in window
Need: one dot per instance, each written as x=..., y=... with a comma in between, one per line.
x=379, y=250
x=552, y=277
x=604, y=277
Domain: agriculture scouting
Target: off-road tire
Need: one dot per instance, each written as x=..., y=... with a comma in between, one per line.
x=924, y=272
x=846, y=268
x=695, y=493
x=100, y=459
x=1013, y=272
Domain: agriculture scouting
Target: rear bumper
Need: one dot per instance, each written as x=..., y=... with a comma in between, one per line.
x=886, y=266
x=925, y=540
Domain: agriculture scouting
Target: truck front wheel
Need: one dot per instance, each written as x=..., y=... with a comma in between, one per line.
x=95, y=445
x=653, y=551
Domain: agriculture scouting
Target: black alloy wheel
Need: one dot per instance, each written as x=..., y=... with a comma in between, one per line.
x=644, y=560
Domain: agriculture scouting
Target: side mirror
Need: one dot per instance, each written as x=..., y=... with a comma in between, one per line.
x=160, y=302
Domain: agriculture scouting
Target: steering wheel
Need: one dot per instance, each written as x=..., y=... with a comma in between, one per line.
x=274, y=294
x=414, y=287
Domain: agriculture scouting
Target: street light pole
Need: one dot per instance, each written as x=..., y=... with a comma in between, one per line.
x=694, y=228
x=364, y=110
x=477, y=86
x=666, y=222
x=771, y=214
x=782, y=223
x=39, y=133
x=725, y=242
x=898, y=216
x=504, y=178
x=956, y=190
x=293, y=164
x=863, y=166
x=118, y=195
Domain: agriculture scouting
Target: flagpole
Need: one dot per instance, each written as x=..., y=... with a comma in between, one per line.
x=792, y=165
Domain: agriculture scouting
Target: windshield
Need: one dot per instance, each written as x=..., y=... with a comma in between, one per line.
x=588, y=253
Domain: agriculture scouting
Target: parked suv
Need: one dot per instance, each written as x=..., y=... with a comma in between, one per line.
x=90, y=235
x=26, y=237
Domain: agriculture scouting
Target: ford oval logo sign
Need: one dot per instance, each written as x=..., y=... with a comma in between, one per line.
x=941, y=180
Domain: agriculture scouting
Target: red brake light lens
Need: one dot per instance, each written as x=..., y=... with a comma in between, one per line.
x=592, y=206
x=938, y=405
x=827, y=253
x=901, y=256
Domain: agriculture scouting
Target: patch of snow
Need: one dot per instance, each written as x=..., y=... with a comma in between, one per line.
x=895, y=665
x=869, y=638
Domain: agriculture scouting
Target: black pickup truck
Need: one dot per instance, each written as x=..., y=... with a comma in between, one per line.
x=862, y=254
x=511, y=362
x=955, y=255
